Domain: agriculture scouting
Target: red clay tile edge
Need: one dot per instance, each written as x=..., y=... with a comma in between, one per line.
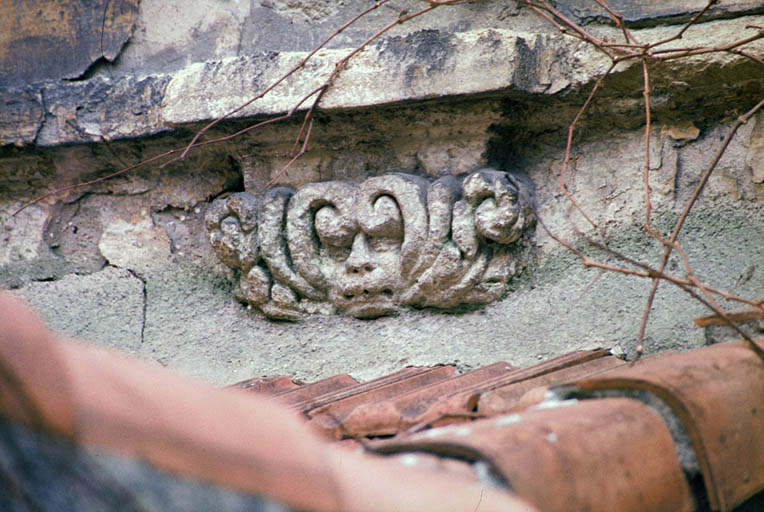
x=595, y=455
x=717, y=392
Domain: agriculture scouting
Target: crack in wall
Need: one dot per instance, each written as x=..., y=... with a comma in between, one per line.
x=144, y=306
x=44, y=115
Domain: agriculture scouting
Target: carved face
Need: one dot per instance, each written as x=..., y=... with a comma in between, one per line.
x=372, y=248
x=363, y=268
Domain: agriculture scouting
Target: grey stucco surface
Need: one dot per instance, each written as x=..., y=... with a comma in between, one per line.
x=126, y=263
x=189, y=321
x=193, y=325
x=106, y=306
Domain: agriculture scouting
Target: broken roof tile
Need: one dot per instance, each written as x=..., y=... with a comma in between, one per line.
x=457, y=397
x=300, y=396
x=507, y=397
x=549, y=366
x=380, y=383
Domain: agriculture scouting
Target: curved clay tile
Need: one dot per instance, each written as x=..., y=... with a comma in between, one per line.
x=717, y=392
x=594, y=455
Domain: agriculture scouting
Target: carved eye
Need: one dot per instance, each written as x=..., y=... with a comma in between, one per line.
x=333, y=229
x=230, y=226
x=384, y=243
x=386, y=221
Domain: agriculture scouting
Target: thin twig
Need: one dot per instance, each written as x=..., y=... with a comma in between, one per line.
x=683, y=217
x=743, y=53
x=687, y=25
x=618, y=20
x=670, y=54
x=736, y=315
x=646, y=168
x=294, y=158
x=630, y=49
x=650, y=272
x=286, y=75
x=318, y=91
x=569, y=145
x=565, y=25
x=698, y=284
x=750, y=342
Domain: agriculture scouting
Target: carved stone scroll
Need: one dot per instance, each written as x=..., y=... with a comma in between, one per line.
x=370, y=249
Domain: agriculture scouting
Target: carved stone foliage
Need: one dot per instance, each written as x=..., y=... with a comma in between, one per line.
x=370, y=249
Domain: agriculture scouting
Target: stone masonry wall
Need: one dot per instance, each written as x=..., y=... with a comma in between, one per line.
x=128, y=262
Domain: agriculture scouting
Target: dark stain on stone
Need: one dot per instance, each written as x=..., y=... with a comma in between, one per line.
x=119, y=108
x=648, y=13
x=61, y=39
x=422, y=52
x=21, y=115
x=490, y=40
x=527, y=64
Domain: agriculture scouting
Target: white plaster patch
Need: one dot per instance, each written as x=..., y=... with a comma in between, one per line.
x=20, y=236
x=135, y=244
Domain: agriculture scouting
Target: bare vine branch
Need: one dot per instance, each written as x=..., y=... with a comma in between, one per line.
x=318, y=92
x=630, y=49
x=618, y=52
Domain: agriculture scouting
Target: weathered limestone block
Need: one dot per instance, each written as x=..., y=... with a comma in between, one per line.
x=53, y=39
x=135, y=244
x=21, y=115
x=371, y=248
x=50, y=40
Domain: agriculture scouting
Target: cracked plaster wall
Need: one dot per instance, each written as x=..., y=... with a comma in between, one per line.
x=127, y=262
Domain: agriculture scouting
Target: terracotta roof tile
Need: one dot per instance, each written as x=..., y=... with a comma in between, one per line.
x=328, y=412
x=269, y=385
x=549, y=367
x=582, y=431
x=381, y=383
x=458, y=396
x=710, y=390
x=598, y=455
x=717, y=393
x=507, y=397
x=302, y=397
x=454, y=396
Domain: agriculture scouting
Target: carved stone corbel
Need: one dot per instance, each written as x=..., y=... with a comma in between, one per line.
x=370, y=249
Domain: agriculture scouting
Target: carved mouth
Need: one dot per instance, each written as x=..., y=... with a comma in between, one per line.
x=369, y=304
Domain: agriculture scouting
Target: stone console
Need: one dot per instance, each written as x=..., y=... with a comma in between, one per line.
x=370, y=249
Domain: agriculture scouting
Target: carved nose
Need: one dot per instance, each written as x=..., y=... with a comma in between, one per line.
x=359, y=261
